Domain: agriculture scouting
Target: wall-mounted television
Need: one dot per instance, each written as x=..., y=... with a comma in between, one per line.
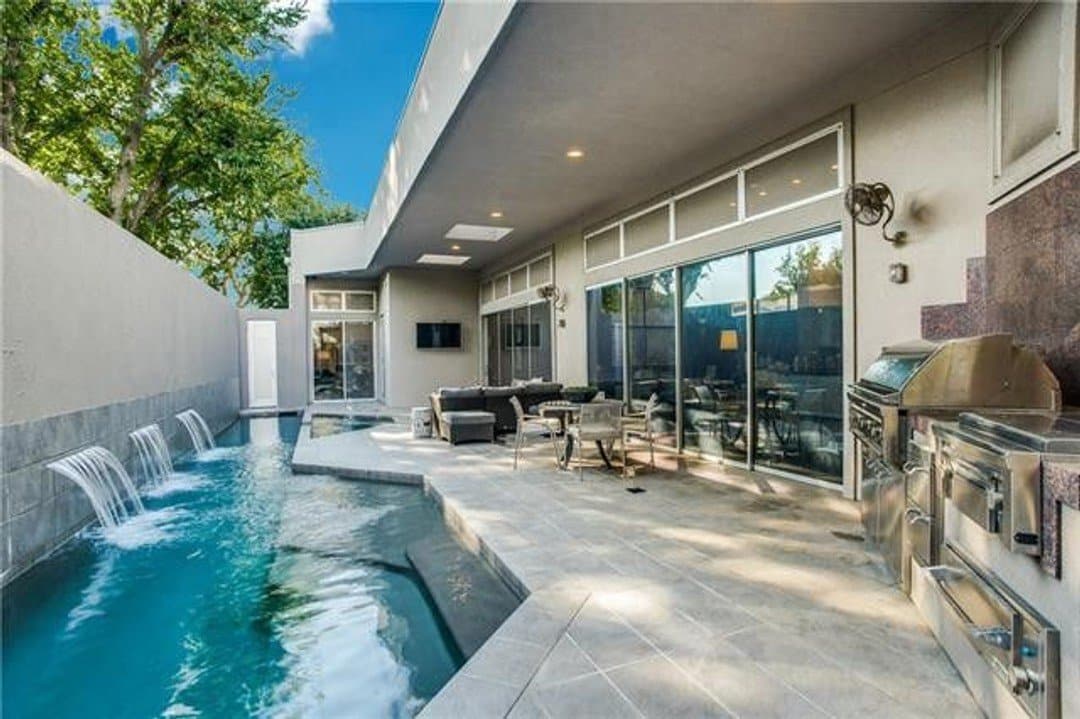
x=438, y=335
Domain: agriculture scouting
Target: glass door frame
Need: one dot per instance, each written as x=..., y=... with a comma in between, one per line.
x=749, y=463
x=485, y=365
x=344, y=384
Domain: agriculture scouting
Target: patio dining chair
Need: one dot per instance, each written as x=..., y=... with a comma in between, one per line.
x=598, y=422
x=533, y=424
x=639, y=425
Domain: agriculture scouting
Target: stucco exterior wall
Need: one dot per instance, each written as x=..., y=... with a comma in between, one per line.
x=417, y=295
x=101, y=335
x=928, y=140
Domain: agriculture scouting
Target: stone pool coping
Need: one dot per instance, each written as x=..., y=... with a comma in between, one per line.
x=733, y=597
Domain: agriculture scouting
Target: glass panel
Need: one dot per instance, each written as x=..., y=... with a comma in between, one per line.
x=605, y=328
x=798, y=350
x=491, y=330
x=540, y=272
x=1029, y=81
x=651, y=323
x=518, y=281
x=520, y=353
x=506, y=347
x=804, y=172
x=327, y=360
x=326, y=301
x=715, y=206
x=714, y=357
x=540, y=341
x=360, y=301
x=602, y=248
x=359, y=360
x=502, y=286
x=648, y=231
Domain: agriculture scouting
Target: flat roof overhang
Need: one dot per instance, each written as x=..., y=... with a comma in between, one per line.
x=653, y=94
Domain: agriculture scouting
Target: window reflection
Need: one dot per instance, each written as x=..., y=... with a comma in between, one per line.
x=605, y=329
x=651, y=326
x=714, y=357
x=519, y=344
x=798, y=339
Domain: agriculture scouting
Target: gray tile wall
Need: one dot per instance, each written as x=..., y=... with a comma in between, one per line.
x=40, y=509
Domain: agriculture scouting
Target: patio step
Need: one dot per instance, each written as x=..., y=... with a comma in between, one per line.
x=471, y=598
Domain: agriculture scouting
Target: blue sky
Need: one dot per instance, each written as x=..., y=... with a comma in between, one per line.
x=351, y=68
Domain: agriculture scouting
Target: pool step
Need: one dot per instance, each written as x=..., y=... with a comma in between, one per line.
x=471, y=598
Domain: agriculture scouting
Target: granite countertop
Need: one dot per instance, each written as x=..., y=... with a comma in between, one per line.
x=1061, y=487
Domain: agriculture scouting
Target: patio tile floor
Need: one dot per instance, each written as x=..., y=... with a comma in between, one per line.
x=717, y=592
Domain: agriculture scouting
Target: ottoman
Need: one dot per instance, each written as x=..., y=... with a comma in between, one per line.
x=469, y=426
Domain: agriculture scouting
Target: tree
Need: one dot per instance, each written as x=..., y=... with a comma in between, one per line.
x=268, y=283
x=157, y=113
x=804, y=267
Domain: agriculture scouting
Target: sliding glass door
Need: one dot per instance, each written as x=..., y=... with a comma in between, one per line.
x=343, y=360
x=714, y=376
x=650, y=318
x=519, y=344
x=605, y=339
x=781, y=306
x=798, y=357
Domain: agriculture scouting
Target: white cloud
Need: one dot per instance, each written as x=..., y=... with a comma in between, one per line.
x=316, y=22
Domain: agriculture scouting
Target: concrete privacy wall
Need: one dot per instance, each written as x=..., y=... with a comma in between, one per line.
x=101, y=335
x=428, y=296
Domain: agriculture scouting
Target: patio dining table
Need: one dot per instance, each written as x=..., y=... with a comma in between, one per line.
x=567, y=413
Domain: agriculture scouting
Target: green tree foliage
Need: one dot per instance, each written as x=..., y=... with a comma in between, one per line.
x=158, y=114
x=805, y=267
x=268, y=282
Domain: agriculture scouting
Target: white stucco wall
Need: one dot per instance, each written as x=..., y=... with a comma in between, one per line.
x=93, y=315
x=417, y=295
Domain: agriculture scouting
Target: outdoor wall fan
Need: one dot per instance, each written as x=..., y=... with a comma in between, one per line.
x=869, y=203
x=554, y=295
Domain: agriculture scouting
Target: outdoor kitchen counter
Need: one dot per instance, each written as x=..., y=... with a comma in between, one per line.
x=1061, y=488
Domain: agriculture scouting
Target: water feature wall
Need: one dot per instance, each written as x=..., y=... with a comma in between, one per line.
x=101, y=336
x=154, y=457
x=106, y=484
x=202, y=438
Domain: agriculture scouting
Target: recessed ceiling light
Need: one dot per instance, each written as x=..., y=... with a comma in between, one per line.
x=478, y=233
x=433, y=259
x=796, y=181
x=762, y=193
x=496, y=214
x=731, y=204
x=834, y=168
x=455, y=248
x=575, y=153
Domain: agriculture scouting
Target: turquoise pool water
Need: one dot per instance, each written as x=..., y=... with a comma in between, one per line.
x=324, y=425
x=243, y=591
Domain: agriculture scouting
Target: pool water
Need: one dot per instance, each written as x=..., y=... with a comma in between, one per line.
x=324, y=425
x=243, y=591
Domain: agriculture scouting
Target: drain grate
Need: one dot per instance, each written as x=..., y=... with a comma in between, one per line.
x=849, y=536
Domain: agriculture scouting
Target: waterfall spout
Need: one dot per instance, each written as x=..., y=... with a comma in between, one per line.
x=99, y=474
x=201, y=436
x=153, y=453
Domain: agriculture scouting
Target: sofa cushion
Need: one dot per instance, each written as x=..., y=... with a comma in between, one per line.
x=468, y=418
x=543, y=388
x=502, y=392
x=461, y=392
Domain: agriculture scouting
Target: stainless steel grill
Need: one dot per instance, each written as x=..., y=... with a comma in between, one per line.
x=931, y=381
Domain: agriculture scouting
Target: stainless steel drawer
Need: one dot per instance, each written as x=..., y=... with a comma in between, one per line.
x=975, y=491
x=1020, y=647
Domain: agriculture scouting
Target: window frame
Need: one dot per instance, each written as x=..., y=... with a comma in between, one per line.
x=344, y=302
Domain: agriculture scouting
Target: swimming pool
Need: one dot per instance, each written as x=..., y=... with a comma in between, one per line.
x=324, y=425
x=244, y=590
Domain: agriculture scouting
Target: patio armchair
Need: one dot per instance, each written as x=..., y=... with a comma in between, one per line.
x=598, y=422
x=531, y=423
x=639, y=425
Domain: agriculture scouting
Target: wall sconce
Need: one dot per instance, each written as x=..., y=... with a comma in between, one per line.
x=869, y=203
x=554, y=295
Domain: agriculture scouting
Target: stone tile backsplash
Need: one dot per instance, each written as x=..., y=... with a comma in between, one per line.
x=1029, y=282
